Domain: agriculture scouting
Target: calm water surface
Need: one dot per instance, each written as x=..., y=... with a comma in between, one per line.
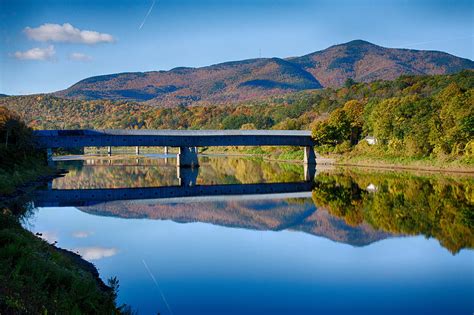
x=355, y=242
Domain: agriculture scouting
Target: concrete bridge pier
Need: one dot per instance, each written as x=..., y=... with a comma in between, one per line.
x=109, y=151
x=187, y=157
x=309, y=164
x=187, y=176
x=309, y=172
x=137, y=150
x=49, y=156
x=309, y=156
x=165, y=150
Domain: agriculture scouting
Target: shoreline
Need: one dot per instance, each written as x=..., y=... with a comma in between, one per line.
x=320, y=160
x=402, y=167
x=376, y=164
x=59, y=261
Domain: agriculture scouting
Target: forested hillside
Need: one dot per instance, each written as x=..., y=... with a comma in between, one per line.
x=429, y=117
x=419, y=115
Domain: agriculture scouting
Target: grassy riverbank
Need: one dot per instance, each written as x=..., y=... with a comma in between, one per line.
x=20, y=171
x=396, y=162
x=378, y=156
x=354, y=158
x=38, y=278
x=20, y=163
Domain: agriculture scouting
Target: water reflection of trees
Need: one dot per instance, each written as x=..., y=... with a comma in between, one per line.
x=218, y=170
x=432, y=206
x=115, y=176
x=155, y=173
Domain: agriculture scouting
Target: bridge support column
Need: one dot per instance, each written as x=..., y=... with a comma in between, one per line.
x=49, y=156
x=109, y=151
x=165, y=150
x=187, y=157
x=309, y=156
x=309, y=163
x=309, y=172
x=137, y=150
x=187, y=176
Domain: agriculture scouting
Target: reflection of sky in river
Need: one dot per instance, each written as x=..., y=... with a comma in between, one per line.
x=207, y=269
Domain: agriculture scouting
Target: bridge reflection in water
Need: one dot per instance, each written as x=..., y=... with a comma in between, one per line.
x=187, y=188
x=83, y=197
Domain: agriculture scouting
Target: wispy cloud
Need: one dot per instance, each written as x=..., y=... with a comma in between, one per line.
x=66, y=33
x=96, y=253
x=76, y=56
x=36, y=54
x=147, y=14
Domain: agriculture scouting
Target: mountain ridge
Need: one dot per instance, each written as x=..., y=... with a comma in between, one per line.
x=236, y=81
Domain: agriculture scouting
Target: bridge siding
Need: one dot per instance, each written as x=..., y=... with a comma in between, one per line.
x=49, y=139
x=176, y=138
x=171, y=141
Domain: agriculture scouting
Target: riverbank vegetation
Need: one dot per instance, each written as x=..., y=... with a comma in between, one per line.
x=402, y=203
x=20, y=163
x=429, y=119
x=35, y=276
x=38, y=278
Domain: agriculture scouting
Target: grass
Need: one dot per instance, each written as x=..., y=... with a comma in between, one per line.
x=37, y=278
x=18, y=169
x=381, y=156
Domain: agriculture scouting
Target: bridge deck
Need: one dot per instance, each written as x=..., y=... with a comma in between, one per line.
x=149, y=132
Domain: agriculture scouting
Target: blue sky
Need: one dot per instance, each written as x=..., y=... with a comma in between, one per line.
x=43, y=46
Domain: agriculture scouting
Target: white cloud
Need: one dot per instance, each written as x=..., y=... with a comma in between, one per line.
x=76, y=56
x=66, y=33
x=82, y=234
x=36, y=53
x=95, y=253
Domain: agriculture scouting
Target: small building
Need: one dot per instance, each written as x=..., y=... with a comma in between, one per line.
x=372, y=188
x=371, y=140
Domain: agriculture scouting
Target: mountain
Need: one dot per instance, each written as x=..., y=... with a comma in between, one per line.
x=226, y=82
x=238, y=81
x=366, y=62
x=275, y=215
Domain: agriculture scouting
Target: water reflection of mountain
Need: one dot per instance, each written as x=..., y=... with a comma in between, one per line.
x=271, y=215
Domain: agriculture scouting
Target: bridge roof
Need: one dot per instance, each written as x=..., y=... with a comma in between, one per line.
x=148, y=132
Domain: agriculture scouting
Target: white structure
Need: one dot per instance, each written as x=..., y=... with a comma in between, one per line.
x=371, y=140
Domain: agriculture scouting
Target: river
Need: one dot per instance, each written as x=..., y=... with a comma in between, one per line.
x=352, y=241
